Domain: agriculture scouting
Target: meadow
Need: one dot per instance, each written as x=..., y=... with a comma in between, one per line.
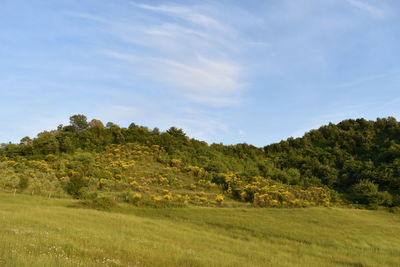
x=37, y=231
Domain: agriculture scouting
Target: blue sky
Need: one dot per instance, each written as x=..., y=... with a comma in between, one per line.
x=224, y=71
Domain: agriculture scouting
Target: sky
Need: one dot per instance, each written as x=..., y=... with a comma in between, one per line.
x=256, y=71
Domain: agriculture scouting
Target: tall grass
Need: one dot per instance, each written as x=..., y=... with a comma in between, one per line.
x=37, y=231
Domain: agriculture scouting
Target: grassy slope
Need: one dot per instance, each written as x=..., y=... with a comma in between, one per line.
x=36, y=231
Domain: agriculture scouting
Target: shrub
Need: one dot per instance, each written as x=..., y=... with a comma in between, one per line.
x=23, y=183
x=192, y=187
x=163, y=180
x=196, y=171
x=366, y=192
x=99, y=203
x=88, y=194
x=168, y=196
x=137, y=197
x=203, y=200
x=175, y=163
x=219, y=199
x=383, y=198
x=74, y=186
x=264, y=192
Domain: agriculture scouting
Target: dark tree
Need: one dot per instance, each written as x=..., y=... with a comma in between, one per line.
x=79, y=122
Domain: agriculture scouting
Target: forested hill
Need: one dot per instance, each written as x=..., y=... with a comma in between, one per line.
x=352, y=155
x=359, y=159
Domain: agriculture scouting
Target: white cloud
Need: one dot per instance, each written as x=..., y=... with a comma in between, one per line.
x=186, y=13
x=372, y=10
x=202, y=80
x=187, y=48
x=206, y=80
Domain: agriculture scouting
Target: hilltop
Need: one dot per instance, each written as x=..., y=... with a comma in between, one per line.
x=352, y=162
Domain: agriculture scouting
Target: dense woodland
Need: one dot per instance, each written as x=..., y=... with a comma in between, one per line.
x=353, y=162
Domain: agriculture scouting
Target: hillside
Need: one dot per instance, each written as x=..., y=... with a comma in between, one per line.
x=36, y=231
x=355, y=161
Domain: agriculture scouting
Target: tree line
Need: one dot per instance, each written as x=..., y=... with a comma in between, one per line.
x=358, y=159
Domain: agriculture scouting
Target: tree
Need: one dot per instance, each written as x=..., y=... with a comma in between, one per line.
x=96, y=123
x=176, y=132
x=26, y=140
x=45, y=143
x=366, y=192
x=79, y=122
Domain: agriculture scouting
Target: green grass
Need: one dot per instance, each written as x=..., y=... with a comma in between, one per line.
x=37, y=231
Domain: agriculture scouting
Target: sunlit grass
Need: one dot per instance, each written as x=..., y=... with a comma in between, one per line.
x=37, y=231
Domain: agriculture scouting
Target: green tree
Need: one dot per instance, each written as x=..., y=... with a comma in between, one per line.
x=79, y=122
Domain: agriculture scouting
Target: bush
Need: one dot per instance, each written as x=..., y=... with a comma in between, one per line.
x=383, y=198
x=87, y=194
x=175, y=163
x=75, y=185
x=23, y=183
x=99, y=203
x=366, y=192
x=136, y=197
x=219, y=199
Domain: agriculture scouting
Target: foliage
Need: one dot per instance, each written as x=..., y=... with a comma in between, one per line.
x=358, y=160
x=219, y=199
x=99, y=203
x=268, y=193
x=366, y=192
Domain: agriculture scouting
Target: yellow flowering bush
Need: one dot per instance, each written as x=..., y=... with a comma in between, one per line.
x=203, y=199
x=165, y=191
x=163, y=180
x=196, y=171
x=264, y=192
x=219, y=199
x=175, y=163
x=157, y=198
x=137, y=196
x=192, y=187
x=168, y=196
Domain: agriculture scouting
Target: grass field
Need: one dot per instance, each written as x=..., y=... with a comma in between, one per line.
x=37, y=231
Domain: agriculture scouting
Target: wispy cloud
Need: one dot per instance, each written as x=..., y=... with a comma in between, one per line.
x=206, y=80
x=363, y=5
x=188, y=48
x=186, y=13
x=202, y=80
